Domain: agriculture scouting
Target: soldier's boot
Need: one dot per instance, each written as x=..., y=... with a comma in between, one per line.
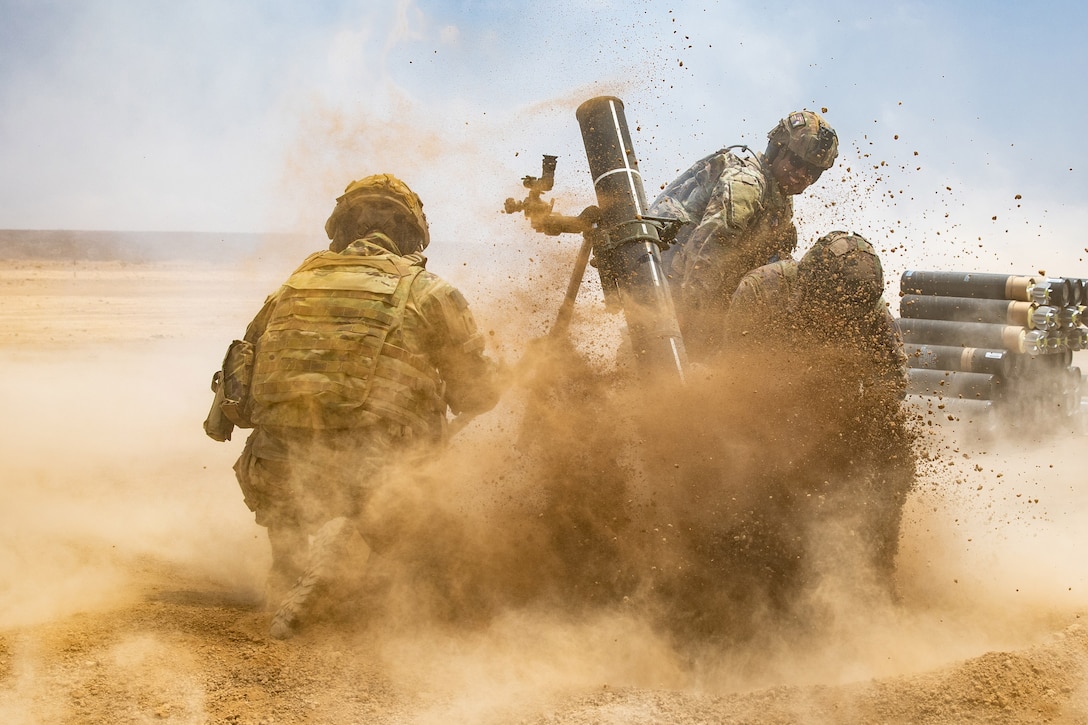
x=328, y=550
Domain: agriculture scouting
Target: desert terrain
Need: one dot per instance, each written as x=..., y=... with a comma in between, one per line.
x=133, y=573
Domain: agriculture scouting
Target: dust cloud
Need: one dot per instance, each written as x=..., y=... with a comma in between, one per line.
x=585, y=533
x=595, y=532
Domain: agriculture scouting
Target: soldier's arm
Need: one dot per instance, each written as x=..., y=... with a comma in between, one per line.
x=893, y=358
x=457, y=350
x=742, y=317
x=257, y=326
x=687, y=196
x=714, y=259
x=735, y=200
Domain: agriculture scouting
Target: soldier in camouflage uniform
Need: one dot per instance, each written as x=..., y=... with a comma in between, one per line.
x=826, y=314
x=834, y=293
x=356, y=359
x=739, y=212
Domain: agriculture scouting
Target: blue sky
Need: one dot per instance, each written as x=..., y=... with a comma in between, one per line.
x=252, y=116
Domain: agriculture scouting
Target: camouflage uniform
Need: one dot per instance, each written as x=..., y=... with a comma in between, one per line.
x=768, y=307
x=827, y=331
x=362, y=348
x=739, y=217
x=355, y=361
x=350, y=366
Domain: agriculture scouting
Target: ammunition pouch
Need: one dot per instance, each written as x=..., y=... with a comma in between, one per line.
x=237, y=374
x=217, y=426
x=231, y=405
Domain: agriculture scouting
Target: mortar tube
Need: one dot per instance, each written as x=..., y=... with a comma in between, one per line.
x=629, y=257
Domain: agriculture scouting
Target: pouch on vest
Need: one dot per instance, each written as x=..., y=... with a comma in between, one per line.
x=217, y=426
x=237, y=374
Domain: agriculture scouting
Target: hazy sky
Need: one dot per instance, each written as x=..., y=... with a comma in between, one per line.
x=252, y=115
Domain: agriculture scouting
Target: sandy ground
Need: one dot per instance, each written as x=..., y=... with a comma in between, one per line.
x=132, y=572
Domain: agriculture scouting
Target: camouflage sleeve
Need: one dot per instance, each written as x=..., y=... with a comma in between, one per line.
x=899, y=354
x=687, y=196
x=741, y=317
x=736, y=198
x=761, y=302
x=751, y=291
x=456, y=347
x=257, y=326
x=891, y=356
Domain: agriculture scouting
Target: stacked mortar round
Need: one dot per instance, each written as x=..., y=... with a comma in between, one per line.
x=1003, y=341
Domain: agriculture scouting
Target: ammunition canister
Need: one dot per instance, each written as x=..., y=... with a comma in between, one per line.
x=1061, y=291
x=1077, y=284
x=1003, y=363
x=1070, y=316
x=967, y=284
x=966, y=309
x=971, y=334
x=953, y=384
x=1044, y=317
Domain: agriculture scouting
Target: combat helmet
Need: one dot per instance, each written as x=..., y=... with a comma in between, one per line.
x=362, y=201
x=842, y=269
x=806, y=134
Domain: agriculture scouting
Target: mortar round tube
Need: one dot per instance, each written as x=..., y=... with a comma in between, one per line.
x=1070, y=316
x=1061, y=291
x=964, y=334
x=966, y=309
x=967, y=284
x=1078, y=291
x=953, y=384
x=1002, y=363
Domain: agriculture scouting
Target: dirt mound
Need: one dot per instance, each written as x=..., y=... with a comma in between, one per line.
x=1041, y=684
x=190, y=652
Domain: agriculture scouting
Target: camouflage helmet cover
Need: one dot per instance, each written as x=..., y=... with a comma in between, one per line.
x=843, y=265
x=808, y=135
x=380, y=188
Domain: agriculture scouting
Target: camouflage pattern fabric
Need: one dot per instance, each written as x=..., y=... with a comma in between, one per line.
x=808, y=135
x=838, y=375
x=760, y=304
x=344, y=382
x=332, y=350
x=298, y=478
x=769, y=307
x=365, y=191
x=842, y=263
x=738, y=220
x=356, y=360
